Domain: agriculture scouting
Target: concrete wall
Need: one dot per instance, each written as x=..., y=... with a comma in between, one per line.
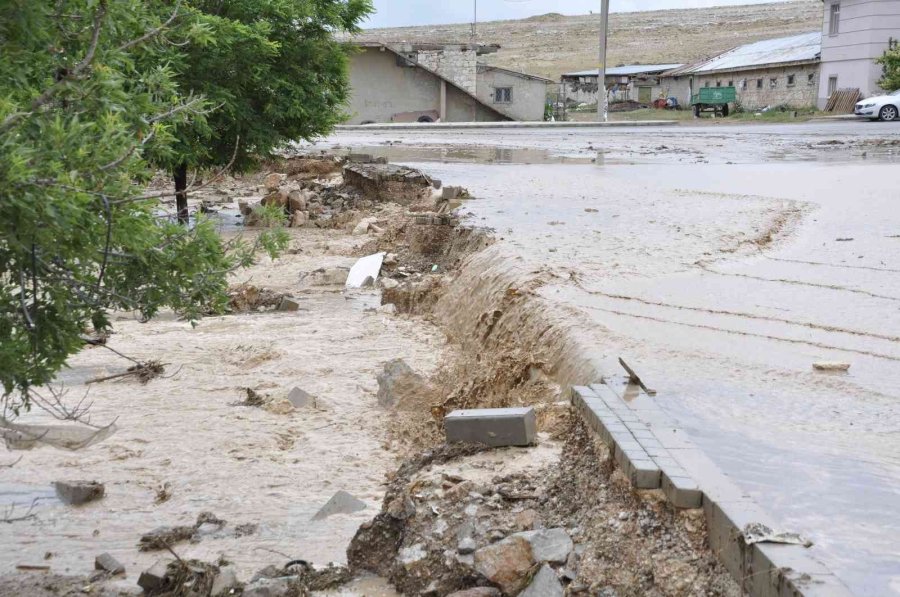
x=584, y=89
x=801, y=94
x=457, y=65
x=864, y=30
x=381, y=89
x=529, y=96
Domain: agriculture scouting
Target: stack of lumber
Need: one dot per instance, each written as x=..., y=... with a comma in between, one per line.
x=842, y=101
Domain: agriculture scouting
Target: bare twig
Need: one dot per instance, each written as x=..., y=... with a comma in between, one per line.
x=29, y=514
x=13, y=463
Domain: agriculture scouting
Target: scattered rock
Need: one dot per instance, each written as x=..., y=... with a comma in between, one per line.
x=526, y=520
x=163, y=537
x=466, y=546
x=154, y=578
x=224, y=581
x=273, y=181
x=297, y=200
x=395, y=381
x=299, y=219
x=107, y=563
x=279, y=198
x=76, y=493
x=301, y=398
x=340, y=503
x=363, y=226
x=332, y=276
x=506, y=563
x=390, y=309
x=389, y=283
x=360, y=158
x=544, y=584
x=549, y=545
x=831, y=366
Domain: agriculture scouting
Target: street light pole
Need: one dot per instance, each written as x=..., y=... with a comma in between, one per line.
x=475, y=19
x=602, y=95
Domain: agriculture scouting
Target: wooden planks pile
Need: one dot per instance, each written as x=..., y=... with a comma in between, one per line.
x=842, y=101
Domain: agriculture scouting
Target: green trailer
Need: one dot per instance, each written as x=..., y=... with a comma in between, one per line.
x=713, y=99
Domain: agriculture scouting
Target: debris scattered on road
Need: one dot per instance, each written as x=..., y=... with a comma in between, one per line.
x=76, y=493
x=340, y=503
x=756, y=532
x=107, y=563
x=301, y=398
x=495, y=427
x=396, y=382
x=831, y=366
x=365, y=271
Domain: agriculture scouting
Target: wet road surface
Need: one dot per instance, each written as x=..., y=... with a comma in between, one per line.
x=724, y=261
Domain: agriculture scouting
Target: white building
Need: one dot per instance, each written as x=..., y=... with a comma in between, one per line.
x=854, y=34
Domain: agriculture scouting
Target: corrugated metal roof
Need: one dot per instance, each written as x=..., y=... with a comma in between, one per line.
x=630, y=69
x=796, y=48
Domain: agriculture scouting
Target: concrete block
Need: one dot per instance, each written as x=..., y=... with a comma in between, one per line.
x=725, y=521
x=582, y=392
x=644, y=474
x=682, y=492
x=289, y=304
x=544, y=584
x=153, y=579
x=493, y=427
x=301, y=398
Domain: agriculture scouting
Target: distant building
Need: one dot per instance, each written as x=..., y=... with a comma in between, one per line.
x=438, y=83
x=773, y=72
x=854, y=34
x=637, y=82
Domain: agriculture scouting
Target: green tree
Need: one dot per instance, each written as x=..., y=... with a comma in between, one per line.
x=86, y=96
x=890, y=81
x=275, y=73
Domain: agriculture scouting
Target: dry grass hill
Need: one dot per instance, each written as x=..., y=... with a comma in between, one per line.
x=551, y=44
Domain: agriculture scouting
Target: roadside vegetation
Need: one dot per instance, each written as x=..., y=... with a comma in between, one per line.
x=95, y=97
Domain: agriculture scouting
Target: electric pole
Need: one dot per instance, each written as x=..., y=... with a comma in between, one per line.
x=602, y=95
x=475, y=20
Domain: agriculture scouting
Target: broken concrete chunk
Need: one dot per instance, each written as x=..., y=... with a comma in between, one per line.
x=549, y=545
x=364, y=269
x=165, y=537
x=75, y=493
x=389, y=308
x=494, y=427
x=466, y=546
x=107, y=563
x=544, y=584
x=360, y=158
x=301, y=398
x=506, y=563
x=154, y=578
x=269, y=587
x=331, y=276
x=340, y=503
x=448, y=193
x=831, y=366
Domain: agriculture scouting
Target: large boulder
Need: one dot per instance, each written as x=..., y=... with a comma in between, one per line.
x=549, y=545
x=506, y=563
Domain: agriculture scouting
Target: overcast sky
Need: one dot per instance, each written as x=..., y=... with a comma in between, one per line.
x=397, y=13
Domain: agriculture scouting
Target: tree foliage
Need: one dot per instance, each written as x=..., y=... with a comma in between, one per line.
x=890, y=61
x=89, y=96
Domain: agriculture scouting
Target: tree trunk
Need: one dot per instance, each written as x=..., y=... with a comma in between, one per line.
x=181, y=203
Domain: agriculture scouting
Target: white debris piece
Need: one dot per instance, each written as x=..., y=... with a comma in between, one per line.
x=366, y=267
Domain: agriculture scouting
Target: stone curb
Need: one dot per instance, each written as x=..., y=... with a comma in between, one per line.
x=449, y=126
x=654, y=454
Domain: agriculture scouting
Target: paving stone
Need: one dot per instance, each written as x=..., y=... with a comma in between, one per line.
x=544, y=584
x=682, y=492
x=549, y=545
x=644, y=474
x=76, y=493
x=107, y=563
x=494, y=427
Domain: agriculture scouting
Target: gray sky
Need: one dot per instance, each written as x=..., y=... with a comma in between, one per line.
x=397, y=13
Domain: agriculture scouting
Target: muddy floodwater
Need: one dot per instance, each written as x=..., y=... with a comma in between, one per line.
x=723, y=262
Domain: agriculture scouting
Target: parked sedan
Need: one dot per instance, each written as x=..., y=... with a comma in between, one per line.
x=881, y=107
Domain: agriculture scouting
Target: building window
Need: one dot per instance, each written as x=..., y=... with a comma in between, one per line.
x=834, y=25
x=731, y=83
x=706, y=84
x=790, y=80
x=718, y=83
x=832, y=85
x=503, y=95
x=773, y=82
x=743, y=83
x=759, y=83
x=811, y=79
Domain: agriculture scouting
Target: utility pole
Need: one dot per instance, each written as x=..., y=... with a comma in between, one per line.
x=475, y=20
x=602, y=95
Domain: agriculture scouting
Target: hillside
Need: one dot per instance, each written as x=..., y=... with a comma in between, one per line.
x=551, y=44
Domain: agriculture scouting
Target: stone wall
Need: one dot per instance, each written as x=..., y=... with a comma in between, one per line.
x=768, y=87
x=457, y=65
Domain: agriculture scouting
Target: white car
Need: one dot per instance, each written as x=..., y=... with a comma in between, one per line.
x=881, y=107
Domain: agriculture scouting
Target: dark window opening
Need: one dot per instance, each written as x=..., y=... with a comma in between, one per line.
x=503, y=95
x=759, y=83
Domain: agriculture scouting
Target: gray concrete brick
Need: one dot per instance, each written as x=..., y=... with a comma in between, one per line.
x=493, y=427
x=641, y=434
x=644, y=474
x=682, y=492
